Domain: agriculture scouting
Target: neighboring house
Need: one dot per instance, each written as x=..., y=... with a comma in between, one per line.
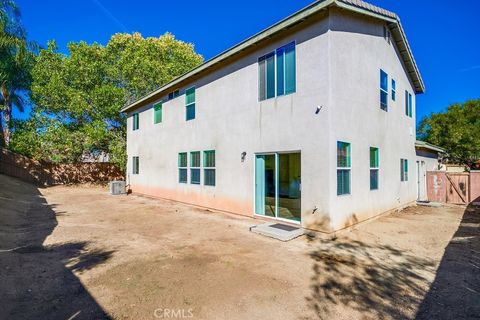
x=311, y=121
x=428, y=159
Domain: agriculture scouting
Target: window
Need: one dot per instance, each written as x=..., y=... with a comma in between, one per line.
x=195, y=167
x=266, y=76
x=394, y=88
x=190, y=103
x=408, y=104
x=157, y=113
x=182, y=167
x=136, y=121
x=209, y=168
x=286, y=83
x=277, y=73
x=373, y=168
x=343, y=168
x=403, y=170
x=173, y=95
x=383, y=90
x=135, y=165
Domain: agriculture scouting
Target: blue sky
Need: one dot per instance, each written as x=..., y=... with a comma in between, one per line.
x=443, y=34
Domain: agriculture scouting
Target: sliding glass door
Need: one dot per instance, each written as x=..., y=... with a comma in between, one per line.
x=278, y=185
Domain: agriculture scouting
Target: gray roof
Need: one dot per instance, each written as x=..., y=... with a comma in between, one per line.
x=426, y=145
x=358, y=6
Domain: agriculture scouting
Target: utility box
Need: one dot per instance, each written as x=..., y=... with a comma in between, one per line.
x=117, y=188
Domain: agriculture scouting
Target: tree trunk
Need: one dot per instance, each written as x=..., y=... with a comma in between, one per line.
x=7, y=116
x=2, y=141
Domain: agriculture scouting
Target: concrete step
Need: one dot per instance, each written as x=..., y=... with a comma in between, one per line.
x=279, y=231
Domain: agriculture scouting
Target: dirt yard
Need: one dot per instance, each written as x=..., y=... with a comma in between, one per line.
x=79, y=253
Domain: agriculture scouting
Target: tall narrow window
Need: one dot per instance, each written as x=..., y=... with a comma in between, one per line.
x=383, y=90
x=136, y=121
x=157, y=113
x=373, y=168
x=195, y=167
x=135, y=165
x=408, y=104
x=286, y=73
x=209, y=168
x=182, y=167
x=190, y=103
x=403, y=170
x=343, y=168
x=394, y=90
x=266, y=81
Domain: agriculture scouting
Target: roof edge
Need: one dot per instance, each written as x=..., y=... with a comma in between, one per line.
x=352, y=5
x=426, y=145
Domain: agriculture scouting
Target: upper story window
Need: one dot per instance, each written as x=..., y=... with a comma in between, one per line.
x=383, y=90
x=190, y=103
x=277, y=72
x=394, y=90
x=173, y=94
x=408, y=104
x=136, y=121
x=157, y=113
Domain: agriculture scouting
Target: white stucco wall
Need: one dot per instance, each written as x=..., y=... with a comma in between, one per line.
x=338, y=62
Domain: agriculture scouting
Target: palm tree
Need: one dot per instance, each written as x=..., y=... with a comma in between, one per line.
x=16, y=60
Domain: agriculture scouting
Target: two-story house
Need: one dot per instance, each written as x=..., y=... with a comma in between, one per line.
x=311, y=121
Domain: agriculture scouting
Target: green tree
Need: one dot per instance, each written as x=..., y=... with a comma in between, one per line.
x=16, y=61
x=457, y=130
x=77, y=97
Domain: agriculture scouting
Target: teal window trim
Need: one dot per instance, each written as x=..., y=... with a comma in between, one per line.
x=404, y=170
x=394, y=90
x=135, y=165
x=195, y=163
x=136, y=121
x=383, y=90
x=277, y=72
x=343, y=168
x=374, y=168
x=209, y=169
x=157, y=113
x=408, y=104
x=190, y=113
x=183, y=167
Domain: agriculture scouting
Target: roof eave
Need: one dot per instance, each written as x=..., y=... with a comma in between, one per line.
x=392, y=19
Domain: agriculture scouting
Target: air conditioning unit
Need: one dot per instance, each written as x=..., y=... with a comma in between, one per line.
x=117, y=187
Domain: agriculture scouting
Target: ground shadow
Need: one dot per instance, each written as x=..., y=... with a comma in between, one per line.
x=37, y=281
x=378, y=281
x=455, y=292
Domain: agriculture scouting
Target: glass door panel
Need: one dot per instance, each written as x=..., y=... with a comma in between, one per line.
x=289, y=195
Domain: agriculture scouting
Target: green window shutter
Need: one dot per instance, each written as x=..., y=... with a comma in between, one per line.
x=290, y=69
x=157, y=113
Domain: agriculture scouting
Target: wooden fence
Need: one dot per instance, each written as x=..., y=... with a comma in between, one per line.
x=47, y=174
x=453, y=187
